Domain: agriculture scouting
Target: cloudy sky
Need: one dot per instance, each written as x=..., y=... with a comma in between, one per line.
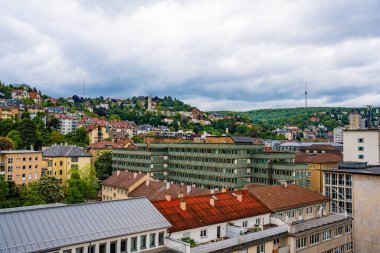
x=234, y=55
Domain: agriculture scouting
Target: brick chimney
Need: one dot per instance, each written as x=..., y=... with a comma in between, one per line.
x=167, y=185
x=118, y=173
x=147, y=182
x=134, y=175
x=212, y=201
x=168, y=196
x=239, y=196
x=224, y=189
x=188, y=189
x=182, y=204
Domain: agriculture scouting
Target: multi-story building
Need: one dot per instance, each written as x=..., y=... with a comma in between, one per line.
x=67, y=123
x=297, y=146
x=132, y=225
x=124, y=185
x=95, y=149
x=60, y=159
x=362, y=146
x=21, y=166
x=8, y=112
x=318, y=157
x=353, y=187
x=228, y=162
x=312, y=227
x=356, y=121
x=19, y=94
x=338, y=134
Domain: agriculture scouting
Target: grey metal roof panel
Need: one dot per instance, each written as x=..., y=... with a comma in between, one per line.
x=64, y=151
x=31, y=230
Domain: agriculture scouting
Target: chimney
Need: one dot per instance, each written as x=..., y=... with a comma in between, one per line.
x=182, y=204
x=147, y=182
x=212, y=201
x=167, y=185
x=224, y=189
x=188, y=189
x=118, y=173
x=283, y=183
x=239, y=196
x=212, y=191
x=180, y=194
x=168, y=197
x=134, y=175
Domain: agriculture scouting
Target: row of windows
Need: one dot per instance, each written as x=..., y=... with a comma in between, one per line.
x=10, y=168
x=324, y=236
x=123, y=246
x=343, y=248
x=338, y=193
x=10, y=160
x=203, y=159
x=202, y=168
x=23, y=176
x=338, y=179
x=216, y=151
x=203, y=177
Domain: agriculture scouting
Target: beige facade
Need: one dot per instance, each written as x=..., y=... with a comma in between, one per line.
x=21, y=166
x=116, y=193
x=60, y=166
x=356, y=121
x=362, y=146
x=8, y=112
x=97, y=134
x=366, y=209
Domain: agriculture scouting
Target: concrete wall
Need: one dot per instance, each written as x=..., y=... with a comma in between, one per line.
x=371, y=142
x=366, y=209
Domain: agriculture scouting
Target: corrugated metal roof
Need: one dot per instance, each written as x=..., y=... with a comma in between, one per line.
x=41, y=229
x=64, y=151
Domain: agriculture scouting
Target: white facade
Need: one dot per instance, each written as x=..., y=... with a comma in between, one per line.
x=361, y=146
x=68, y=125
x=212, y=230
x=338, y=134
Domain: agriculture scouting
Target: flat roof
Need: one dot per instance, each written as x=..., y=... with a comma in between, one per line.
x=18, y=151
x=369, y=171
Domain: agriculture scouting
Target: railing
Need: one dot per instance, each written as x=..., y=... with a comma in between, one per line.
x=318, y=222
x=177, y=245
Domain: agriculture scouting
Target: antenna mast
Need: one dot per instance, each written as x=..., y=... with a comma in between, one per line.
x=305, y=95
x=84, y=85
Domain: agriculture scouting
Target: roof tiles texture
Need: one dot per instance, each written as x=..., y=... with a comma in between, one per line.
x=64, y=151
x=124, y=180
x=278, y=198
x=319, y=157
x=199, y=212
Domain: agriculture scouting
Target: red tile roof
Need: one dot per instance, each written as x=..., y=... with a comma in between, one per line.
x=319, y=157
x=124, y=180
x=157, y=191
x=278, y=198
x=105, y=144
x=200, y=213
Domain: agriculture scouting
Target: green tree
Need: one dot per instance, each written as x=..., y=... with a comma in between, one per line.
x=50, y=188
x=15, y=136
x=103, y=165
x=4, y=190
x=88, y=174
x=57, y=137
x=6, y=125
x=31, y=195
x=114, y=117
x=75, y=188
x=6, y=143
x=27, y=130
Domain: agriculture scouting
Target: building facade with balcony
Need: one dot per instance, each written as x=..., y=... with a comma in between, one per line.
x=211, y=165
x=21, y=166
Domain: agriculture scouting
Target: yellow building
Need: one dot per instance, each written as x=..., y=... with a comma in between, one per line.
x=318, y=157
x=97, y=133
x=59, y=160
x=8, y=112
x=95, y=149
x=21, y=166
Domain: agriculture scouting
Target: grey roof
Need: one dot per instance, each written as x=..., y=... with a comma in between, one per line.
x=43, y=229
x=242, y=139
x=66, y=151
x=370, y=171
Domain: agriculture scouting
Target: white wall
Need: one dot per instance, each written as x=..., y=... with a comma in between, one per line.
x=370, y=143
x=195, y=233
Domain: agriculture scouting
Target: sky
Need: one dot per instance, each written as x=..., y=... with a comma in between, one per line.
x=215, y=55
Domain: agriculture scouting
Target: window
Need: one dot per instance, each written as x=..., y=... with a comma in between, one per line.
x=36, y=175
x=36, y=158
x=123, y=245
x=133, y=243
x=113, y=246
x=360, y=148
x=23, y=177
x=152, y=240
x=74, y=159
x=300, y=212
x=339, y=231
x=30, y=176
x=67, y=251
x=203, y=233
x=276, y=241
x=309, y=210
x=326, y=235
x=161, y=238
x=60, y=163
x=9, y=178
x=361, y=140
x=314, y=239
x=360, y=156
x=30, y=158
x=300, y=243
x=102, y=248
x=60, y=172
x=143, y=242
x=79, y=250
x=349, y=246
x=257, y=222
x=10, y=168
x=245, y=224
x=260, y=248
x=91, y=249
x=348, y=228
x=309, y=174
x=23, y=167
x=24, y=159
x=10, y=160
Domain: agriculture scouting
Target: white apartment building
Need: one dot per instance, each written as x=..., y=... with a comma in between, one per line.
x=338, y=134
x=362, y=146
x=67, y=124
